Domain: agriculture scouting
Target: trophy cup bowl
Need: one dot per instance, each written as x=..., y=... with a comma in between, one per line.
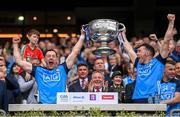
x=104, y=31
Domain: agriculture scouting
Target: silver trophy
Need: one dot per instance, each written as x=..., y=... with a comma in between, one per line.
x=103, y=31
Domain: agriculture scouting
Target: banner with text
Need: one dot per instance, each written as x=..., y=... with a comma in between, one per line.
x=87, y=98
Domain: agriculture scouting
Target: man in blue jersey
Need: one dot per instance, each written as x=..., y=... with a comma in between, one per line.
x=169, y=89
x=52, y=78
x=149, y=68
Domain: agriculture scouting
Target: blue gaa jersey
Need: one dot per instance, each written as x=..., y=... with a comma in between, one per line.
x=167, y=91
x=147, y=77
x=50, y=82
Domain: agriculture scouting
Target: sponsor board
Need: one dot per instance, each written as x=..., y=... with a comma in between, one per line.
x=78, y=98
x=87, y=98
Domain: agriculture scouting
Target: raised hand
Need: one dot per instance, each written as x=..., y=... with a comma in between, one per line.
x=16, y=40
x=153, y=37
x=171, y=17
x=27, y=77
x=83, y=31
x=90, y=86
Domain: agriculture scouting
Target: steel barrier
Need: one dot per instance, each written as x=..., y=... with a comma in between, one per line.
x=103, y=107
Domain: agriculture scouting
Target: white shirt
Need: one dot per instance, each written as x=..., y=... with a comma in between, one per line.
x=95, y=90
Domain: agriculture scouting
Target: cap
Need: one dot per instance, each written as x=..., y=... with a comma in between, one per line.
x=115, y=73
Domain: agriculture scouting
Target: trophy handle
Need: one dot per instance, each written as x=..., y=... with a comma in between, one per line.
x=122, y=27
x=85, y=26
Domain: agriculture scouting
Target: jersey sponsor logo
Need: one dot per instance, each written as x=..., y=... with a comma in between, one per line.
x=51, y=77
x=145, y=70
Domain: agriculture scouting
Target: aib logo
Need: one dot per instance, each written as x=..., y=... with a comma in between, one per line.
x=92, y=97
x=50, y=77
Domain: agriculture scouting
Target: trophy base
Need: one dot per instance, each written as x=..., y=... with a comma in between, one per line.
x=104, y=51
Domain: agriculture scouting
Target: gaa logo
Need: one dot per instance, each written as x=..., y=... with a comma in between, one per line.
x=63, y=98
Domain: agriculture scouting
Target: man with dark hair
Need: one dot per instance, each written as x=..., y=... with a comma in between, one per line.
x=52, y=78
x=169, y=89
x=81, y=83
x=99, y=66
x=149, y=48
x=149, y=69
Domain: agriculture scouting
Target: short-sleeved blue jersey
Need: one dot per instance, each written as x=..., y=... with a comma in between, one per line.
x=50, y=82
x=147, y=77
x=167, y=91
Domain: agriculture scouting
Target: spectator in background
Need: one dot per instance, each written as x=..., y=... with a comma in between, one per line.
x=52, y=78
x=3, y=87
x=3, y=93
x=129, y=81
x=117, y=85
x=98, y=83
x=129, y=90
x=133, y=40
x=115, y=64
x=42, y=46
x=130, y=77
x=1, y=49
x=11, y=82
x=138, y=43
x=149, y=69
x=62, y=42
x=99, y=66
x=169, y=89
x=81, y=83
x=175, y=55
x=89, y=58
x=25, y=85
x=31, y=50
x=146, y=40
x=7, y=53
x=177, y=70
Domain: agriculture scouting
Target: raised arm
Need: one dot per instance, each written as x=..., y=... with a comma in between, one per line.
x=76, y=49
x=129, y=48
x=164, y=49
x=24, y=64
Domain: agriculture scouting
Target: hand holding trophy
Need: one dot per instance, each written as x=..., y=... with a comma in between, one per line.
x=103, y=31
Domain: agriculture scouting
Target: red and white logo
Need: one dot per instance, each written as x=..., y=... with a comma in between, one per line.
x=107, y=97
